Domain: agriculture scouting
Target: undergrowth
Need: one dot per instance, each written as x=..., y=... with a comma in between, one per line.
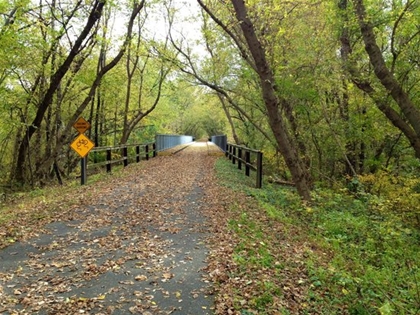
x=373, y=253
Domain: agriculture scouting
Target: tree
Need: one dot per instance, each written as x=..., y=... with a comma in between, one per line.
x=273, y=102
x=64, y=136
x=408, y=120
x=133, y=65
x=219, y=70
x=55, y=89
x=95, y=14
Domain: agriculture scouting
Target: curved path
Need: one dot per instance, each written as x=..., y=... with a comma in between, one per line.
x=137, y=246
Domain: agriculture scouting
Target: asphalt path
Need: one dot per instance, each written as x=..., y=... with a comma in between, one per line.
x=137, y=247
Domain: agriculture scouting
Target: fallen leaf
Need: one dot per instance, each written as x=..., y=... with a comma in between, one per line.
x=141, y=278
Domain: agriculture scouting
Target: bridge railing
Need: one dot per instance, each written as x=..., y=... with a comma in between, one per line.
x=164, y=142
x=220, y=141
x=250, y=158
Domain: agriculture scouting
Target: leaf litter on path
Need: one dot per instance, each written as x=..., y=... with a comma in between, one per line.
x=136, y=244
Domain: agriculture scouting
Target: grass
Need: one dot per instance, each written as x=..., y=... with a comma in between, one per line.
x=370, y=260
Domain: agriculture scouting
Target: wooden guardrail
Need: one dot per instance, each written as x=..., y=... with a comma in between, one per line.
x=139, y=151
x=103, y=156
x=242, y=156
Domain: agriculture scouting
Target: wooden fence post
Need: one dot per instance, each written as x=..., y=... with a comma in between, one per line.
x=147, y=152
x=242, y=154
x=108, y=159
x=233, y=155
x=247, y=162
x=259, y=169
x=125, y=156
x=137, y=153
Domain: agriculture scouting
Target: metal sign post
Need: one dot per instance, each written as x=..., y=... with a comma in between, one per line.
x=83, y=164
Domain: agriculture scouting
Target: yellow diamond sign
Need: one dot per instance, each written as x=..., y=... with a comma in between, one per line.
x=82, y=145
x=81, y=125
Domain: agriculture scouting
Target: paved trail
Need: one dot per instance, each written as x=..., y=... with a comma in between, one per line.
x=137, y=247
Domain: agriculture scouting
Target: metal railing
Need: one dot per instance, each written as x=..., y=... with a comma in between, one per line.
x=242, y=156
x=220, y=141
x=164, y=142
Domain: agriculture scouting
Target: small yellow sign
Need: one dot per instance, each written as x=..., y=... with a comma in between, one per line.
x=82, y=145
x=81, y=125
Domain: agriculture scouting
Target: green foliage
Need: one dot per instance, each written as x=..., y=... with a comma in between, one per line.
x=257, y=255
x=373, y=257
x=232, y=177
x=371, y=253
x=392, y=195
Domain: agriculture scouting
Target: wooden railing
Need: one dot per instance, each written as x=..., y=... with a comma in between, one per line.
x=250, y=158
x=139, y=151
x=109, y=156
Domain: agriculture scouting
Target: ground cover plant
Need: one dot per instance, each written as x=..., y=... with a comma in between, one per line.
x=359, y=255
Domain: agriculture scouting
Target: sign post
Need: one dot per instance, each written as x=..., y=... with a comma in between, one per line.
x=83, y=170
x=82, y=145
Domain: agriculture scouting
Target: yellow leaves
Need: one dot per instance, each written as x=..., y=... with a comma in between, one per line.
x=386, y=309
x=166, y=276
x=394, y=194
x=281, y=31
x=82, y=300
x=17, y=292
x=141, y=278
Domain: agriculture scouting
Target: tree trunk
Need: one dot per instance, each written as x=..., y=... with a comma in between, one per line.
x=220, y=95
x=131, y=67
x=95, y=14
x=343, y=98
x=272, y=102
x=410, y=111
x=229, y=117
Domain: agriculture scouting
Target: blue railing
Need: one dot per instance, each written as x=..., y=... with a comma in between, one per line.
x=220, y=141
x=164, y=142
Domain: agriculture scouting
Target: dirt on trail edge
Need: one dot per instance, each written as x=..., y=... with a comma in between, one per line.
x=134, y=244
